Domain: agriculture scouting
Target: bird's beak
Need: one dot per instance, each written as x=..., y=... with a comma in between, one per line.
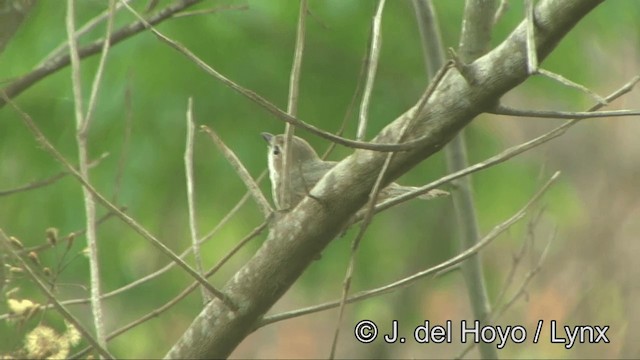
x=267, y=137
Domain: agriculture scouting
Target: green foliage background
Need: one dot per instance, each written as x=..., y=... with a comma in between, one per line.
x=254, y=48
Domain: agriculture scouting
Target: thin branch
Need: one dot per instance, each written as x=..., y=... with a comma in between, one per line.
x=34, y=184
x=495, y=315
x=126, y=142
x=453, y=262
x=475, y=41
x=355, y=245
x=82, y=126
x=242, y=172
x=48, y=181
x=134, y=284
x=75, y=65
x=99, y=72
x=294, y=79
x=292, y=108
x=526, y=245
x=527, y=278
x=255, y=232
x=70, y=237
x=231, y=212
x=354, y=249
x=59, y=62
x=477, y=29
x=373, y=197
x=546, y=114
x=532, y=55
x=432, y=49
x=106, y=203
x=564, y=81
x=282, y=115
x=188, y=290
x=372, y=68
x=502, y=9
x=504, y=155
x=188, y=164
x=62, y=49
x=359, y=85
x=212, y=10
x=170, y=265
x=52, y=298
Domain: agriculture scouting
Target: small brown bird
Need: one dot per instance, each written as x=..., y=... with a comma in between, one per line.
x=306, y=169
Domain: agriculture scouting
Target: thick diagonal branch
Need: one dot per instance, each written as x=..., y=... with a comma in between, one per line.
x=297, y=237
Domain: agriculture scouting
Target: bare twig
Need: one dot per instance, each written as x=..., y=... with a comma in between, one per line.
x=493, y=234
x=170, y=265
x=99, y=72
x=502, y=9
x=231, y=212
x=532, y=58
x=495, y=315
x=527, y=278
x=373, y=197
x=48, y=181
x=66, y=239
x=346, y=285
x=282, y=115
x=124, y=217
x=564, y=81
x=188, y=290
x=62, y=49
x=34, y=184
x=532, y=55
x=292, y=107
x=188, y=164
x=361, y=78
x=527, y=245
x=509, y=111
x=355, y=245
x=75, y=66
x=58, y=62
x=52, y=298
x=294, y=78
x=506, y=154
x=255, y=232
x=242, y=172
x=372, y=68
x=212, y=10
x=432, y=49
x=150, y=276
x=82, y=127
x=475, y=40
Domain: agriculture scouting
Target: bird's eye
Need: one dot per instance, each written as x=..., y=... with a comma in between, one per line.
x=276, y=150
